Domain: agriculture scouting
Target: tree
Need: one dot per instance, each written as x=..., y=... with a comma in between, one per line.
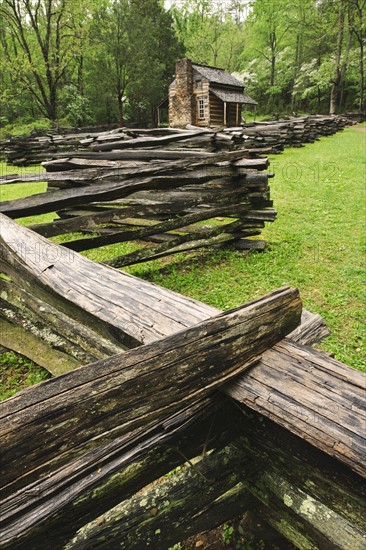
x=211, y=31
x=272, y=26
x=358, y=28
x=156, y=49
x=47, y=35
x=336, y=80
x=131, y=59
x=113, y=59
x=111, y=51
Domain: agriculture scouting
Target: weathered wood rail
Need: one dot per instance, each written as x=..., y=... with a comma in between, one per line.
x=159, y=191
x=156, y=208
x=294, y=132
x=297, y=498
x=295, y=487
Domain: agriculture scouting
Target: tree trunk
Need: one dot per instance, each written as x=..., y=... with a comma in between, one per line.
x=362, y=77
x=120, y=108
x=297, y=65
x=334, y=93
x=344, y=65
x=81, y=75
x=273, y=57
x=358, y=31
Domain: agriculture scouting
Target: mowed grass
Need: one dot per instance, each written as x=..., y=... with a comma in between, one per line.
x=21, y=190
x=317, y=244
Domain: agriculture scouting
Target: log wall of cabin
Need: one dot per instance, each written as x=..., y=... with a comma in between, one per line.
x=201, y=91
x=216, y=111
x=233, y=112
x=233, y=115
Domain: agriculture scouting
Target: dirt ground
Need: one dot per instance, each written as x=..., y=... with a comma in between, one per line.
x=246, y=533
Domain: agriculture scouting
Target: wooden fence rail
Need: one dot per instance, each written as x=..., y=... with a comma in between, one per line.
x=83, y=447
x=256, y=420
x=112, y=145
x=156, y=209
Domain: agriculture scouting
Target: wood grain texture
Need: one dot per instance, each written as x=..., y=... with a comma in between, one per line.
x=56, y=329
x=45, y=497
x=297, y=489
x=328, y=399
x=51, y=510
x=155, y=380
x=136, y=316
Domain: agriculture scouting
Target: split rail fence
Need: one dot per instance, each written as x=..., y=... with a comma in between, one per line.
x=260, y=420
x=146, y=379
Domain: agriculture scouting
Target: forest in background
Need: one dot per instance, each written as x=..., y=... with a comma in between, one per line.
x=74, y=63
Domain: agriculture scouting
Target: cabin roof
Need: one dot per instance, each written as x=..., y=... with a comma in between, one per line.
x=217, y=76
x=232, y=96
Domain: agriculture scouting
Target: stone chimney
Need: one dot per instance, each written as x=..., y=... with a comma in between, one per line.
x=181, y=95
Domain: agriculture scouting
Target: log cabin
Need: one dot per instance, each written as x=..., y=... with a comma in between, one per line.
x=205, y=96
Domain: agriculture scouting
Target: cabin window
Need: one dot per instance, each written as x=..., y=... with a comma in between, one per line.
x=198, y=84
x=201, y=108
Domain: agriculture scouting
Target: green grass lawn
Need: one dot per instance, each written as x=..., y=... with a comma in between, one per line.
x=20, y=190
x=317, y=243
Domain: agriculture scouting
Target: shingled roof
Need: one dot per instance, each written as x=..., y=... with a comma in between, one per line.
x=217, y=76
x=231, y=96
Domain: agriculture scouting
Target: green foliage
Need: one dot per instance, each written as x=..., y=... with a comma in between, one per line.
x=76, y=107
x=41, y=42
x=17, y=372
x=154, y=61
x=24, y=127
x=236, y=538
x=227, y=533
x=210, y=34
x=78, y=62
x=284, y=50
x=132, y=60
x=112, y=60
